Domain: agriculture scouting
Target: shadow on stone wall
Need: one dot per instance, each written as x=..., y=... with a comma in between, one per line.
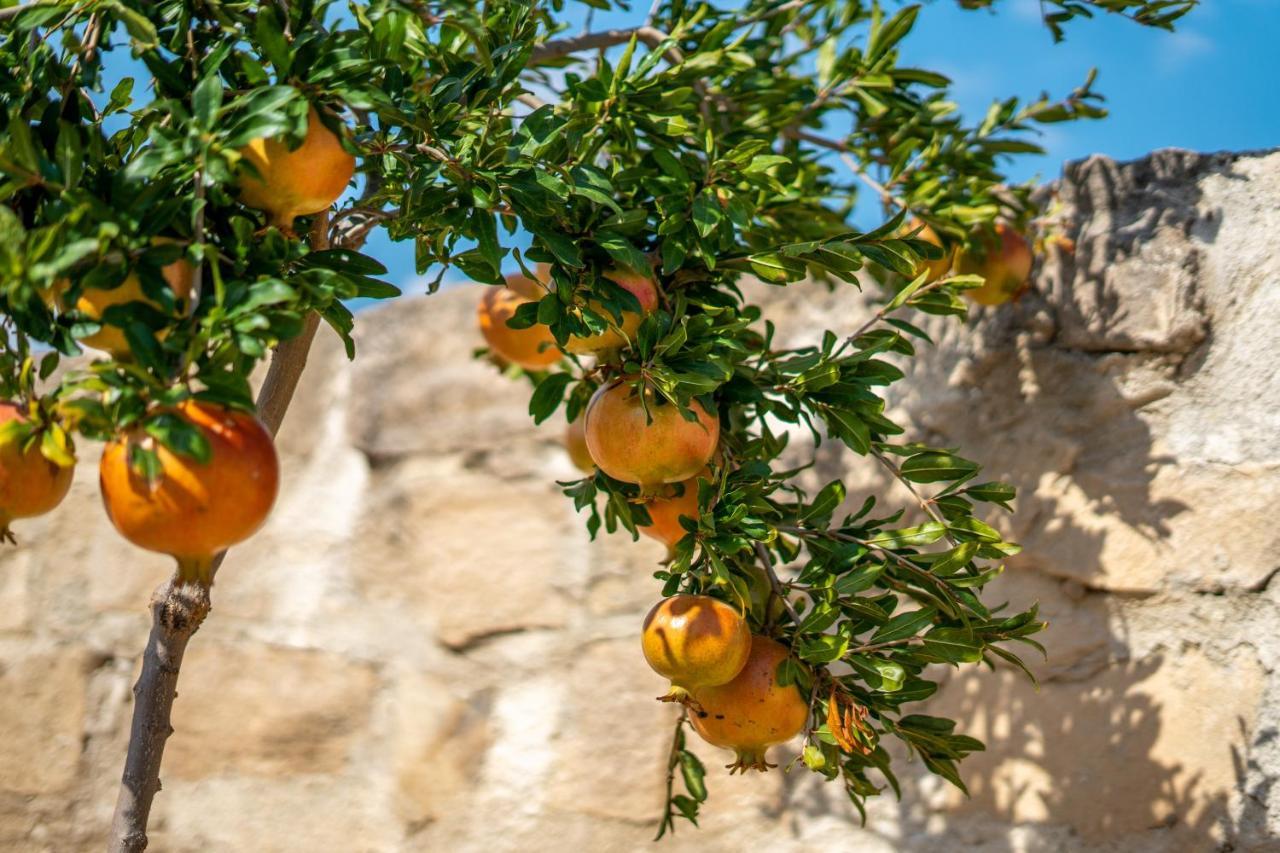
x=1101, y=396
x=1130, y=737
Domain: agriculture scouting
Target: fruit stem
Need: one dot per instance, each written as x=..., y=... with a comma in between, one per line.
x=196, y=570
x=675, y=694
x=284, y=223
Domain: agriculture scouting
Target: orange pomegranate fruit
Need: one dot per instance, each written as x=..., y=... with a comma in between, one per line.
x=694, y=641
x=621, y=332
x=665, y=511
x=93, y=302
x=575, y=443
x=753, y=711
x=1005, y=264
x=935, y=269
x=647, y=448
x=533, y=348
x=195, y=509
x=297, y=182
x=30, y=484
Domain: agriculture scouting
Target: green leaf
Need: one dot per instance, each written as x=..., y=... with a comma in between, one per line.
x=904, y=625
x=548, y=395
x=180, y=436
x=55, y=445
x=827, y=501
x=954, y=560
x=884, y=38
x=953, y=645
x=935, y=466
x=997, y=493
x=206, y=100
x=693, y=773
x=268, y=32
x=823, y=649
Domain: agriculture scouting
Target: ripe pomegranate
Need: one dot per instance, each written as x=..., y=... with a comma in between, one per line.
x=1006, y=266
x=628, y=446
x=936, y=269
x=93, y=303
x=575, y=443
x=694, y=641
x=294, y=183
x=195, y=510
x=533, y=348
x=665, y=511
x=30, y=484
x=644, y=290
x=753, y=712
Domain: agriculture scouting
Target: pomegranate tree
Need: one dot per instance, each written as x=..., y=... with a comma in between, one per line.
x=619, y=193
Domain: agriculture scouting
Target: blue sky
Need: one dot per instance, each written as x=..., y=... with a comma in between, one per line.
x=1207, y=87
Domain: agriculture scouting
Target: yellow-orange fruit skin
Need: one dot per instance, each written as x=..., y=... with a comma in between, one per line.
x=300, y=182
x=533, y=348
x=752, y=712
x=94, y=302
x=935, y=269
x=30, y=485
x=695, y=641
x=575, y=444
x=196, y=509
x=667, y=449
x=665, y=511
x=1006, y=267
x=531, y=288
x=645, y=292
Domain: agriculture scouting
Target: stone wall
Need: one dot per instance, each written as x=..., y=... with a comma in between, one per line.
x=356, y=689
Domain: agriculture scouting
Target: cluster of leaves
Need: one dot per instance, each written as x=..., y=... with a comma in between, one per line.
x=99, y=186
x=700, y=148
x=1056, y=13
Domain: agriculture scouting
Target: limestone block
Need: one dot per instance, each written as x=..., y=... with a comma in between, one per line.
x=266, y=712
x=42, y=706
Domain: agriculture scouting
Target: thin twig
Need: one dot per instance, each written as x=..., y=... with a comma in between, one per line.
x=885, y=312
x=846, y=158
x=351, y=227
x=673, y=761
x=653, y=13
x=531, y=100
x=913, y=640
x=774, y=583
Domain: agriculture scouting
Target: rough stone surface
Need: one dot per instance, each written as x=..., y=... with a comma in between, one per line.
x=356, y=689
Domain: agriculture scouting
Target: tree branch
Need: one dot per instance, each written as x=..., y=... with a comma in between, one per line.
x=845, y=156
x=177, y=612
x=651, y=36
x=775, y=585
